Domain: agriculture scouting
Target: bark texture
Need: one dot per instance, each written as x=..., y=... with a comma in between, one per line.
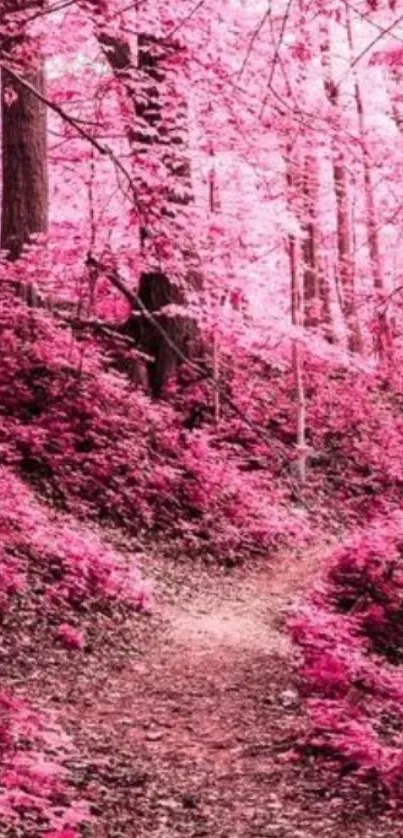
x=25, y=198
x=158, y=288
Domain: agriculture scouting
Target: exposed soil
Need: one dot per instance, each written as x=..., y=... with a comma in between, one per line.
x=185, y=720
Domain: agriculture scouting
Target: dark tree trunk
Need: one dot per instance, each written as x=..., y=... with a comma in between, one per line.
x=25, y=196
x=25, y=199
x=157, y=289
x=158, y=132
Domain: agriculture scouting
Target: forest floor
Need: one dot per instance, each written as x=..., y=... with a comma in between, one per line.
x=185, y=719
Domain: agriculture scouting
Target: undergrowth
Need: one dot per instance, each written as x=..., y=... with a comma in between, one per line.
x=350, y=634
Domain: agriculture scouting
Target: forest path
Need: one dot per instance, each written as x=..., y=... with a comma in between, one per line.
x=185, y=719
x=192, y=734
x=192, y=713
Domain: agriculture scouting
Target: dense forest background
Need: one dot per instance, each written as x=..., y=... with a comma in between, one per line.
x=201, y=322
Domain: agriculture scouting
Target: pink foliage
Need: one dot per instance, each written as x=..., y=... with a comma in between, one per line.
x=144, y=175
x=77, y=562
x=33, y=779
x=351, y=639
x=102, y=449
x=72, y=637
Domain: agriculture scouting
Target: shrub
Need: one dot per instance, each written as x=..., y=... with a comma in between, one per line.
x=34, y=782
x=351, y=638
x=98, y=447
x=75, y=562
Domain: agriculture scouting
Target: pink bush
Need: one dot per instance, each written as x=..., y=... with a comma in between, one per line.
x=351, y=638
x=72, y=637
x=62, y=833
x=33, y=779
x=77, y=562
x=76, y=565
x=97, y=447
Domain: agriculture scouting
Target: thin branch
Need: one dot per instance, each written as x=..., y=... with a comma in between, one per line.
x=106, y=329
x=371, y=22
x=392, y=294
x=369, y=46
x=254, y=39
x=280, y=41
x=56, y=108
x=276, y=53
x=186, y=19
x=70, y=120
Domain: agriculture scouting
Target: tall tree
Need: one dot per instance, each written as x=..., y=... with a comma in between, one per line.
x=382, y=335
x=25, y=197
x=297, y=319
x=303, y=167
x=157, y=132
x=317, y=311
x=168, y=280
x=345, y=244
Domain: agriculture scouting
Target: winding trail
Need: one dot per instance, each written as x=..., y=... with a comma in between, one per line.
x=185, y=720
x=192, y=734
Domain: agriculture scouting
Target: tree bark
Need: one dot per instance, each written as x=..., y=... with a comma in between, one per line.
x=214, y=205
x=345, y=246
x=165, y=286
x=25, y=193
x=317, y=311
x=297, y=319
x=382, y=337
x=25, y=196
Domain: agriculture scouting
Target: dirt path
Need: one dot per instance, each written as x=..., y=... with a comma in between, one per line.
x=185, y=720
x=192, y=735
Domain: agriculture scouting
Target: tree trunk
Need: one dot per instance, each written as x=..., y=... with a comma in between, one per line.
x=25, y=194
x=303, y=177
x=158, y=133
x=297, y=318
x=382, y=336
x=170, y=283
x=317, y=311
x=214, y=205
x=345, y=247
x=25, y=197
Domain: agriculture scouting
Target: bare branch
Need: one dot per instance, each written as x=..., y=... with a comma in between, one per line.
x=74, y=123
x=186, y=19
x=56, y=108
x=106, y=329
x=254, y=39
x=368, y=48
x=276, y=54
